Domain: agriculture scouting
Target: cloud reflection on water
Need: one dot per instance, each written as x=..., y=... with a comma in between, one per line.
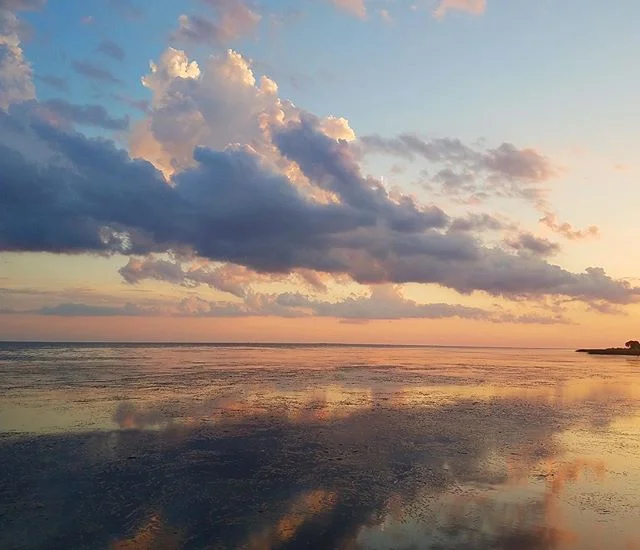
x=368, y=459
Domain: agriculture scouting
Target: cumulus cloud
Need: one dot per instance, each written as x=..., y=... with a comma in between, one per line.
x=111, y=49
x=219, y=104
x=95, y=73
x=234, y=206
x=354, y=7
x=475, y=7
x=16, y=75
x=292, y=198
x=234, y=19
x=565, y=229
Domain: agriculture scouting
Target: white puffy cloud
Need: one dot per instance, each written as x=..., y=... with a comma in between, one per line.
x=16, y=75
x=215, y=104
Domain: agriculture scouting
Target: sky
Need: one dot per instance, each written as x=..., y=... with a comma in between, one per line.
x=453, y=172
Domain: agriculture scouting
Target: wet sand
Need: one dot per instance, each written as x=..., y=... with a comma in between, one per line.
x=317, y=447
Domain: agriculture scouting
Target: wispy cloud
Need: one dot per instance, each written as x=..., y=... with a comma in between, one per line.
x=56, y=82
x=111, y=49
x=87, y=115
x=354, y=7
x=233, y=20
x=94, y=72
x=127, y=8
x=567, y=230
x=475, y=7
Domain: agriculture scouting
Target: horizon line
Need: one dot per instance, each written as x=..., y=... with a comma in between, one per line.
x=268, y=344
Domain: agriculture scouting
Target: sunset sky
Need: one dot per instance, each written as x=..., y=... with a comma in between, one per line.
x=384, y=171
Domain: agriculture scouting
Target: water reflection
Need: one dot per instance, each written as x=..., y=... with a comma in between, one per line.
x=374, y=459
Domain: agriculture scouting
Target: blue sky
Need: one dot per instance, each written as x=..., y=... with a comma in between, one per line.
x=556, y=83
x=521, y=71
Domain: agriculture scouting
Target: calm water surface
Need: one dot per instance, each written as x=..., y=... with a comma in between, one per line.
x=254, y=447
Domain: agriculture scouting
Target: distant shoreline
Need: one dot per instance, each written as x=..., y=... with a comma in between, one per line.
x=610, y=351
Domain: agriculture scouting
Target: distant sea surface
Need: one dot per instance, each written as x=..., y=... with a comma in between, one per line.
x=130, y=446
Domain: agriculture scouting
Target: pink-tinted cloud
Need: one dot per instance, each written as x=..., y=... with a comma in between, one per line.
x=475, y=7
x=567, y=230
x=233, y=19
x=354, y=7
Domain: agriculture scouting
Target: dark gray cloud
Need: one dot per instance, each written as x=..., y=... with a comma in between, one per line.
x=93, y=72
x=91, y=197
x=55, y=82
x=332, y=166
x=88, y=115
x=529, y=243
x=479, y=222
x=111, y=49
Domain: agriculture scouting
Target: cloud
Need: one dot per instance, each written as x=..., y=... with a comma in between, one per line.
x=231, y=208
x=384, y=303
x=93, y=72
x=220, y=104
x=478, y=222
x=504, y=171
x=295, y=199
x=87, y=115
x=354, y=7
x=85, y=310
x=567, y=230
x=111, y=49
x=529, y=243
x=88, y=20
x=232, y=278
x=234, y=19
x=55, y=82
x=16, y=74
x=126, y=8
x=474, y=7
x=22, y=5
x=385, y=16
x=138, y=104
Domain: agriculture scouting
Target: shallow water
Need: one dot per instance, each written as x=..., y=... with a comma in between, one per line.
x=260, y=447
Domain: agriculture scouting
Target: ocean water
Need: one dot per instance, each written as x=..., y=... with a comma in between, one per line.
x=354, y=447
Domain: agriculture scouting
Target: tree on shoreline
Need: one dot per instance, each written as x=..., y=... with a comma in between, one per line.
x=632, y=344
